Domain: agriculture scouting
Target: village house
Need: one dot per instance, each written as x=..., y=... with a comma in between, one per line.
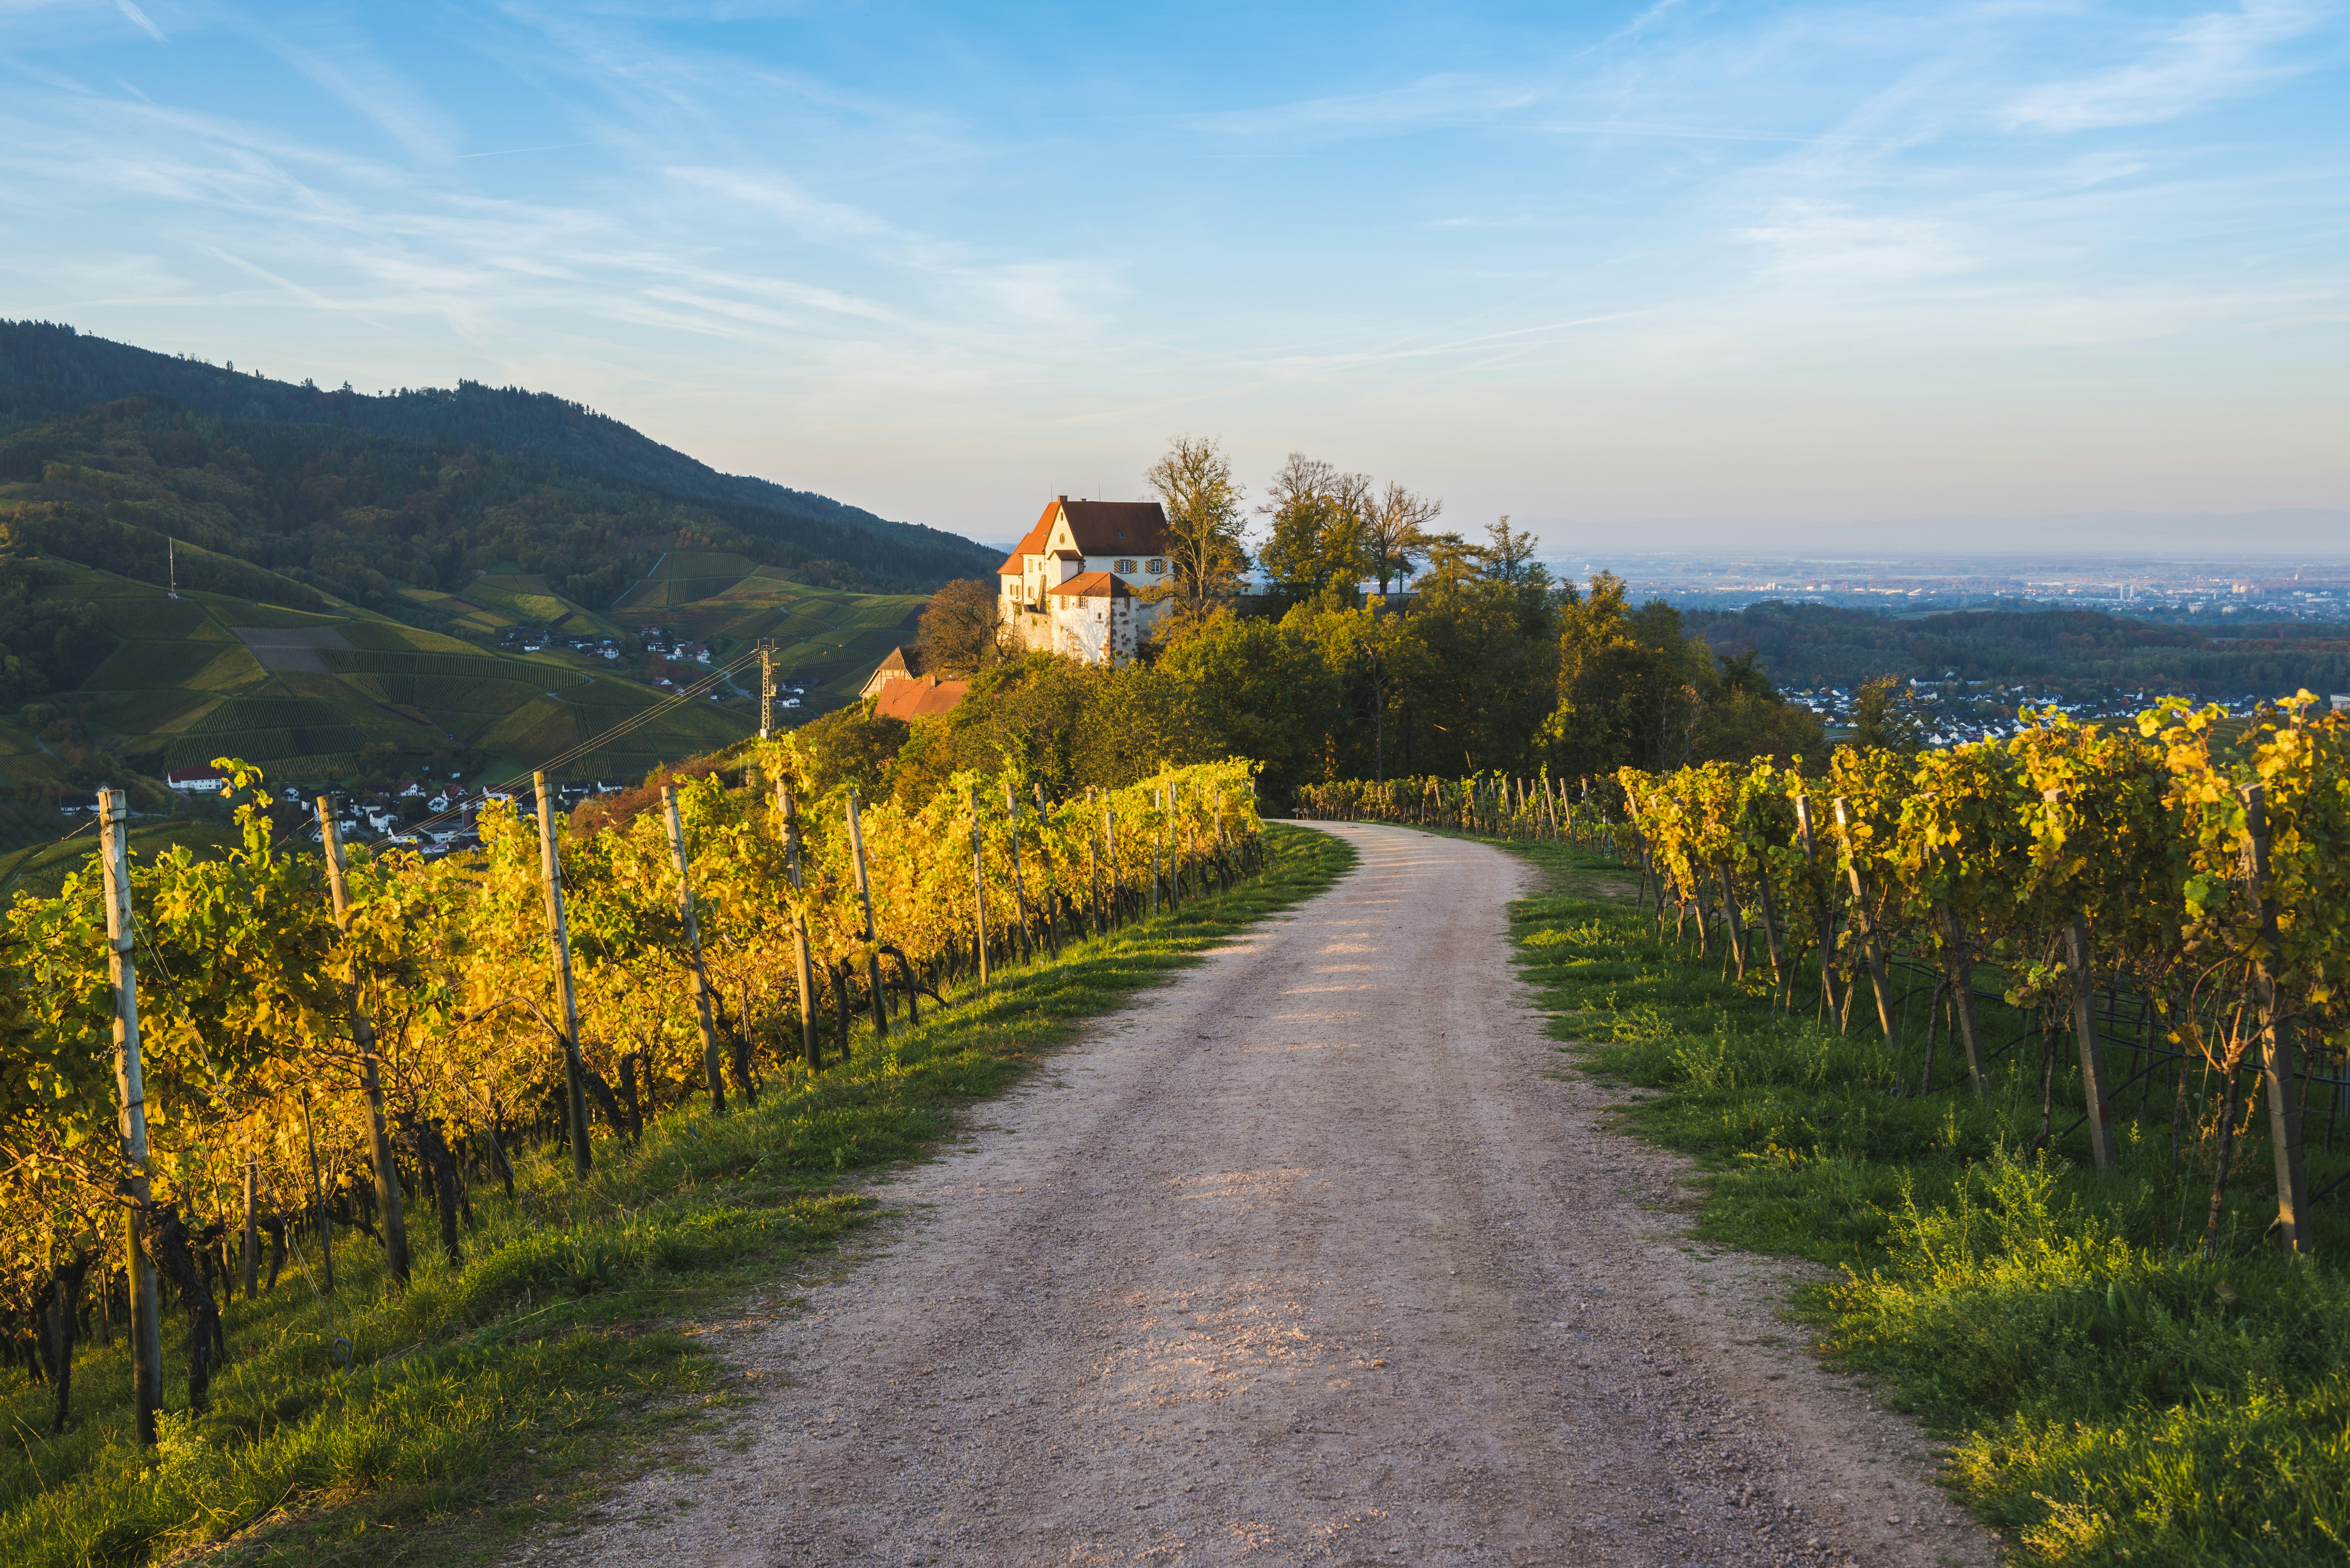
x=1072, y=584
x=901, y=688
x=197, y=781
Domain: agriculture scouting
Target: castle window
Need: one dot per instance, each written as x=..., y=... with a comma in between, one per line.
x=1157, y=564
x=1125, y=565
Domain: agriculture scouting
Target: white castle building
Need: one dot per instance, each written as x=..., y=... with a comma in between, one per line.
x=1070, y=586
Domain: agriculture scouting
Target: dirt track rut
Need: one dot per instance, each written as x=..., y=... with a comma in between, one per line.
x=1312, y=1256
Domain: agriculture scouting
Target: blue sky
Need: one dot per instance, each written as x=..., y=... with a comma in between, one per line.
x=1599, y=266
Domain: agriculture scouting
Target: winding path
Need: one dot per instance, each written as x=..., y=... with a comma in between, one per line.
x=1314, y=1255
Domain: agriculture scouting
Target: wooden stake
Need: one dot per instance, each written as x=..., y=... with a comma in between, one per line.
x=873, y=952
x=1780, y=979
x=713, y=1063
x=809, y=1049
x=130, y=1089
x=1962, y=999
x=979, y=884
x=2277, y=1069
x=1019, y=885
x=1043, y=862
x=1093, y=872
x=251, y=1282
x=389, y=1208
x=1879, y=980
x=1109, y=853
x=575, y=1084
x=318, y=1199
x=2095, y=1089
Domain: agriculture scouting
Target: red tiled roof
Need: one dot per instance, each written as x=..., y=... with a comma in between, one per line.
x=924, y=697
x=1117, y=527
x=1031, y=544
x=1100, y=527
x=1093, y=584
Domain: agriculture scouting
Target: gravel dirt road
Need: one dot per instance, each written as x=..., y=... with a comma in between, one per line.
x=1314, y=1255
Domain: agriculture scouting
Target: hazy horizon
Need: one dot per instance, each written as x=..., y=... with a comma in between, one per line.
x=1655, y=269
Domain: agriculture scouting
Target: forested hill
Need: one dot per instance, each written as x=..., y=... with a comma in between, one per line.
x=384, y=523
x=1807, y=646
x=48, y=372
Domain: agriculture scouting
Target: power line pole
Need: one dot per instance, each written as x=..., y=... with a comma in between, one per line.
x=766, y=689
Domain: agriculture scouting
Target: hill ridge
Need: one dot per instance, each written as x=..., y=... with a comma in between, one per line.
x=49, y=371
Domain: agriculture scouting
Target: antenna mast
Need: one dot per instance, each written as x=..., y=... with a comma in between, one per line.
x=171, y=556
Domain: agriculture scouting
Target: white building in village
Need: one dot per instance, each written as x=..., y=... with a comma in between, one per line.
x=1071, y=586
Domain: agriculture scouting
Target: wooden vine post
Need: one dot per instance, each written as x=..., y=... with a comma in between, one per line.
x=1045, y=864
x=1175, y=888
x=872, y=948
x=1878, y=980
x=713, y=1062
x=979, y=884
x=251, y=1239
x=1782, y=980
x=2277, y=1070
x=389, y=1208
x=810, y=1052
x=2095, y=1091
x=1963, y=998
x=1093, y=872
x=574, y=1086
x=318, y=1199
x=1109, y=853
x=131, y=1088
x=1019, y=885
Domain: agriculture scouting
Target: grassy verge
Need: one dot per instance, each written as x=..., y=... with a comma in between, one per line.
x=2110, y=1395
x=512, y=1389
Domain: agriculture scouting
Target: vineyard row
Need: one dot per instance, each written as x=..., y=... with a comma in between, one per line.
x=198, y=1057
x=2171, y=895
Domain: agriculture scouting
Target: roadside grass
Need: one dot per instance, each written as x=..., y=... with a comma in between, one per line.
x=2108, y=1393
x=514, y=1389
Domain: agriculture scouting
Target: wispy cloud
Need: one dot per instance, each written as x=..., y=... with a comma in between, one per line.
x=1435, y=100
x=139, y=19
x=848, y=251
x=352, y=70
x=2207, y=57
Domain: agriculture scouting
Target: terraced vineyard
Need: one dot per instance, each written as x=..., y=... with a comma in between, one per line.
x=189, y=678
x=828, y=638
x=509, y=596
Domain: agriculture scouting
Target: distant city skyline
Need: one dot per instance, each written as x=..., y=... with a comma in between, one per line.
x=1783, y=277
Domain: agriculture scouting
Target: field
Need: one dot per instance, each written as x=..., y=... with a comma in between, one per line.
x=829, y=639
x=206, y=675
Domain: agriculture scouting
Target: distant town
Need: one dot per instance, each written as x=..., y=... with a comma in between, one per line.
x=2208, y=593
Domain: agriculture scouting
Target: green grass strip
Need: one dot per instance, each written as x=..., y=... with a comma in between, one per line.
x=2109, y=1394
x=514, y=1389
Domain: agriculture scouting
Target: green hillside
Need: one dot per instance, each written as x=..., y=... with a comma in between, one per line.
x=828, y=638
x=48, y=372
x=167, y=684
x=293, y=511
